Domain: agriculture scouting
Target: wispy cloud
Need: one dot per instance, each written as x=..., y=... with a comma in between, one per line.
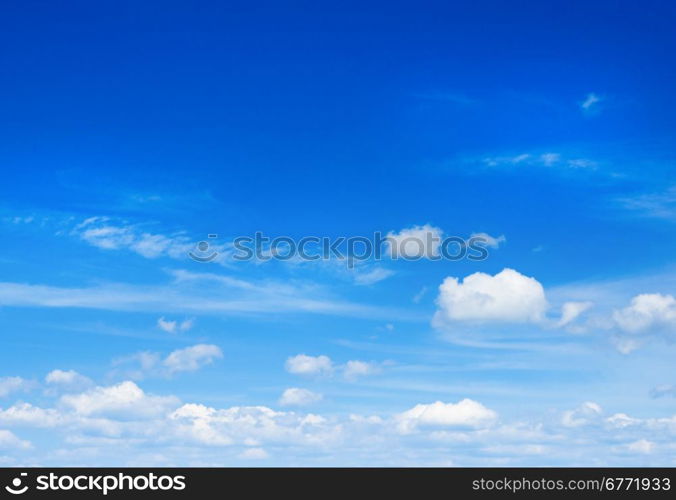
x=193, y=293
x=591, y=102
x=660, y=204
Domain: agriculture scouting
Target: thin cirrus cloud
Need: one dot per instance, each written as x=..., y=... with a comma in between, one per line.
x=217, y=295
x=550, y=160
x=658, y=205
x=591, y=103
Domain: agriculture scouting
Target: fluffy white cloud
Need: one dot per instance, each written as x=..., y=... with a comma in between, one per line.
x=466, y=413
x=570, y=311
x=415, y=242
x=125, y=399
x=508, y=296
x=295, y=396
x=9, y=441
x=355, y=369
x=26, y=414
x=192, y=358
x=303, y=364
x=9, y=385
x=251, y=424
x=641, y=446
x=150, y=364
x=488, y=240
x=647, y=312
x=113, y=426
x=584, y=414
x=173, y=326
x=67, y=379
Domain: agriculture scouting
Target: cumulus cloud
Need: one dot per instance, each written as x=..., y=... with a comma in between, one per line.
x=246, y=424
x=192, y=358
x=151, y=364
x=122, y=400
x=303, y=364
x=354, y=369
x=466, y=413
x=647, y=312
x=113, y=423
x=9, y=441
x=415, y=242
x=295, y=396
x=26, y=414
x=508, y=296
x=174, y=326
x=641, y=446
x=584, y=414
x=9, y=385
x=67, y=379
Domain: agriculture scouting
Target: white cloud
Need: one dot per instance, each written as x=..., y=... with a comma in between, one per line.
x=151, y=364
x=303, y=364
x=122, y=400
x=463, y=414
x=174, y=326
x=247, y=424
x=192, y=358
x=219, y=295
x=9, y=385
x=549, y=159
x=570, y=311
x=102, y=233
x=10, y=441
x=355, y=369
x=663, y=390
x=22, y=414
x=660, y=205
x=590, y=102
x=69, y=379
x=647, y=312
x=254, y=454
x=372, y=276
x=508, y=296
x=488, y=240
x=584, y=414
x=415, y=242
x=641, y=446
x=295, y=396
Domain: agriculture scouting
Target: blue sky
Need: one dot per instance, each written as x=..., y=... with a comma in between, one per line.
x=130, y=132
